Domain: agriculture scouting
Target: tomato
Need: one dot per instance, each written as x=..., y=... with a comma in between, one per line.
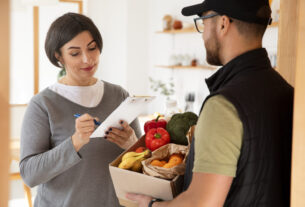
x=140, y=149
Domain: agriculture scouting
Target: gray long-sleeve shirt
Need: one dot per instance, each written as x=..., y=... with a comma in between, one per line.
x=48, y=159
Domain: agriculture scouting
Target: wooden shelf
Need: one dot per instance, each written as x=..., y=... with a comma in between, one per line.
x=274, y=24
x=205, y=67
x=178, y=31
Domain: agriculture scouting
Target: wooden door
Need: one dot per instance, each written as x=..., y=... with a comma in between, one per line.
x=4, y=102
x=291, y=63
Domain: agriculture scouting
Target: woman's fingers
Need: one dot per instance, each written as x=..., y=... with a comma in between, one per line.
x=84, y=121
x=115, y=136
x=124, y=133
x=122, y=137
x=85, y=124
x=84, y=127
x=126, y=127
x=116, y=132
x=85, y=117
x=87, y=129
x=116, y=141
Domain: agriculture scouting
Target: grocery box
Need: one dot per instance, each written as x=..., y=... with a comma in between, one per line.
x=125, y=181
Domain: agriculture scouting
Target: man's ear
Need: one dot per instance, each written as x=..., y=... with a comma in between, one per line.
x=224, y=25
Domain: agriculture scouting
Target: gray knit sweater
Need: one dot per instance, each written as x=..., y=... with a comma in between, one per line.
x=48, y=159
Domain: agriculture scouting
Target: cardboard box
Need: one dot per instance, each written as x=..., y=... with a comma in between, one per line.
x=125, y=181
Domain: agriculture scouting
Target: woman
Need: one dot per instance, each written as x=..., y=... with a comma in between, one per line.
x=56, y=152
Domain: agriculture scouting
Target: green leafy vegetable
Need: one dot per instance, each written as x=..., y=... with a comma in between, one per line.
x=179, y=125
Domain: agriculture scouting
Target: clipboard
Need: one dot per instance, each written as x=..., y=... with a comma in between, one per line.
x=128, y=111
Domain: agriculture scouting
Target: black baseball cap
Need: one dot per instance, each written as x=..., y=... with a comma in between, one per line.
x=244, y=10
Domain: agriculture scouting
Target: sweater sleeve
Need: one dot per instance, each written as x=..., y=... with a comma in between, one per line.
x=39, y=162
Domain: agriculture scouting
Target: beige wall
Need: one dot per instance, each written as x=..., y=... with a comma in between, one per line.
x=4, y=99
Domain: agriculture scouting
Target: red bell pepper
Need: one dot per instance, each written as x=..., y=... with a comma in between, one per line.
x=156, y=138
x=155, y=123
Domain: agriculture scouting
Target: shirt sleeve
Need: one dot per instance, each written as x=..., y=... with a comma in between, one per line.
x=218, y=138
x=39, y=162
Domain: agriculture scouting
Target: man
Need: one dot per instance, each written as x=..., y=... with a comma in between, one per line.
x=243, y=135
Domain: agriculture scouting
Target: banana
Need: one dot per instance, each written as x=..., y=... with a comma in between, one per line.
x=137, y=166
x=129, y=162
x=130, y=159
x=135, y=154
x=131, y=154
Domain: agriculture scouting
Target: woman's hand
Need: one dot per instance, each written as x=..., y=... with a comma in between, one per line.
x=123, y=138
x=84, y=126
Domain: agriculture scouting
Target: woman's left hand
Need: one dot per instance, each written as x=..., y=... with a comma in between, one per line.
x=123, y=138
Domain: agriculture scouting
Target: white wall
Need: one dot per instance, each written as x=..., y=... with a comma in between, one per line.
x=111, y=18
x=124, y=28
x=137, y=48
x=21, y=53
x=17, y=113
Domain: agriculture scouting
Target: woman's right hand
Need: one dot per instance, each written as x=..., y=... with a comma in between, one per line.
x=84, y=126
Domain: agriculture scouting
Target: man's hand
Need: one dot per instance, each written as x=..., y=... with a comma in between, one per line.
x=142, y=200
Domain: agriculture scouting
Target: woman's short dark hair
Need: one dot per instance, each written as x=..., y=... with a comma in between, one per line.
x=64, y=29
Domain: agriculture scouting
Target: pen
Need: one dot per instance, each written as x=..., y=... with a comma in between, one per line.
x=95, y=122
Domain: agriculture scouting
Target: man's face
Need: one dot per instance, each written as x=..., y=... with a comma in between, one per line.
x=211, y=41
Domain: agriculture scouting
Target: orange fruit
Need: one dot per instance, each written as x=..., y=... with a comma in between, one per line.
x=169, y=165
x=156, y=163
x=176, y=159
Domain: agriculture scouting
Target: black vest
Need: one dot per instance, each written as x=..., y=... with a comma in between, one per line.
x=264, y=101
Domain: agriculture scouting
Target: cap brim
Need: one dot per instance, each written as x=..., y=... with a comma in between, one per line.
x=196, y=9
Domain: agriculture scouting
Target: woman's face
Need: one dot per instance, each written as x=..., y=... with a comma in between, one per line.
x=80, y=57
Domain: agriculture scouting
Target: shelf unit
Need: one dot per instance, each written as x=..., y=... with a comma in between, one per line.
x=193, y=30
x=199, y=67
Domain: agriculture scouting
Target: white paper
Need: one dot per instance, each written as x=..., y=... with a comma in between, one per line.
x=128, y=111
